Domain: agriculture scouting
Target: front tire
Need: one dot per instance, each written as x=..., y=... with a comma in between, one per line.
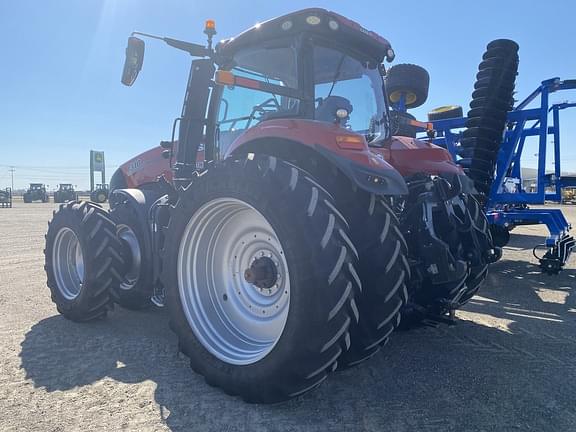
x=260, y=279
x=82, y=260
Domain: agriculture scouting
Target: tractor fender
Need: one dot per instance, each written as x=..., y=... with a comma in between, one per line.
x=117, y=181
x=141, y=201
x=376, y=181
x=299, y=141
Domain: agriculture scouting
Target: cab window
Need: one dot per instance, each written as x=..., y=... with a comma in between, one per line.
x=343, y=82
x=242, y=108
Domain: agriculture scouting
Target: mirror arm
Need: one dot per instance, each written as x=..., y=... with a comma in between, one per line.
x=193, y=49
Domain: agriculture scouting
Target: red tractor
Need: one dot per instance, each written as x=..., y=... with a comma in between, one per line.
x=286, y=228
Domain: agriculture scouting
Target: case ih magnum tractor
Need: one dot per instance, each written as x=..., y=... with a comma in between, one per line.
x=286, y=229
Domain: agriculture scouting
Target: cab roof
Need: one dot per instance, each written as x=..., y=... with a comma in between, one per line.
x=312, y=20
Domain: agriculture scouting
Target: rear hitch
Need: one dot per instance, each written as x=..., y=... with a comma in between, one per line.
x=428, y=318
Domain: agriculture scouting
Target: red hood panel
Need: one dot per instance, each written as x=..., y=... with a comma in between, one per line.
x=411, y=156
x=312, y=133
x=146, y=168
x=407, y=155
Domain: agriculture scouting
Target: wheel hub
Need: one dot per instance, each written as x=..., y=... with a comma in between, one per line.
x=263, y=273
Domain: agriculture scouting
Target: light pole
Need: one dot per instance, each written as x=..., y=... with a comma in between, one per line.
x=12, y=169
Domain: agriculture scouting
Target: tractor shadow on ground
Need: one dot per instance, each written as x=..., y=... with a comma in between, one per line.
x=507, y=364
x=525, y=241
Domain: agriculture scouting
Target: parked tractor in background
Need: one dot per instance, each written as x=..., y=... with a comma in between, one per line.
x=6, y=198
x=100, y=193
x=65, y=193
x=286, y=229
x=36, y=192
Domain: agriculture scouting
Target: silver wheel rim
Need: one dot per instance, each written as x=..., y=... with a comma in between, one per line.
x=128, y=236
x=235, y=320
x=68, y=263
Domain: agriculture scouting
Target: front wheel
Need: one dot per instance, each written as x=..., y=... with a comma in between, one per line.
x=260, y=279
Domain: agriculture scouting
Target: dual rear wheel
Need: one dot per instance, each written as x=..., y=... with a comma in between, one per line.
x=263, y=281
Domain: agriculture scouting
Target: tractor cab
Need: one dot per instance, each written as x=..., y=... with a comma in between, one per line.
x=310, y=65
x=65, y=187
x=310, y=82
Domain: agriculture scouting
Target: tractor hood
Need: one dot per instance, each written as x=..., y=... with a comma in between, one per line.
x=412, y=156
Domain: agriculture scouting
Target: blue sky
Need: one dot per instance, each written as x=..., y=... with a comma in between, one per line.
x=60, y=91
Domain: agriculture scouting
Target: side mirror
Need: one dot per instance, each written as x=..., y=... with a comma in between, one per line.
x=133, y=61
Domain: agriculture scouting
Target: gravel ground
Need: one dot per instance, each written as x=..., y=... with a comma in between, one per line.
x=508, y=365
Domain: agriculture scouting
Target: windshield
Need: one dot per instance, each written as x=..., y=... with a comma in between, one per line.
x=344, y=82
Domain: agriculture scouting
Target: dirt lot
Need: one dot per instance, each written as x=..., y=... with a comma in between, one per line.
x=509, y=364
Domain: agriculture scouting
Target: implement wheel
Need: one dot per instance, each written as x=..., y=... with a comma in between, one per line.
x=409, y=80
x=260, y=279
x=445, y=112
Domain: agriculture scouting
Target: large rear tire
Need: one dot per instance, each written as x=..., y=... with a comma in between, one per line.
x=260, y=279
x=479, y=270
x=82, y=260
x=474, y=245
x=136, y=288
x=383, y=271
